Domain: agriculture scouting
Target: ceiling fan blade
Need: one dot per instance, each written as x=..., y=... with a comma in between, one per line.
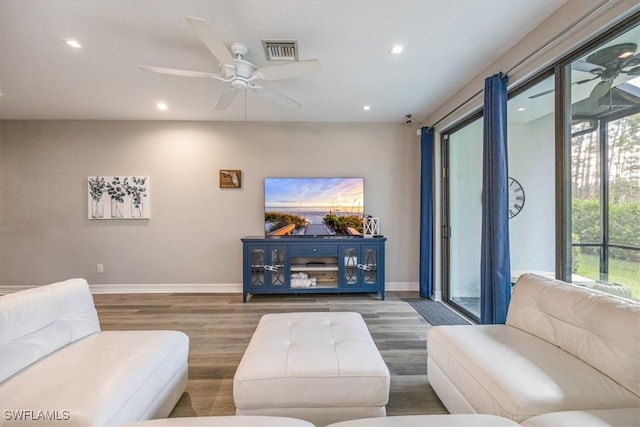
x=579, y=82
x=635, y=71
x=176, y=72
x=276, y=97
x=287, y=71
x=632, y=61
x=226, y=98
x=587, y=67
x=537, y=95
x=601, y=89
x=211, y=40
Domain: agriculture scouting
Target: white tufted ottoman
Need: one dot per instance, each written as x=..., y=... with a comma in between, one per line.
x=319, y=367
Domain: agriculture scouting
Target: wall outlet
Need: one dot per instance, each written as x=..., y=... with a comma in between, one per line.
x=99, y=268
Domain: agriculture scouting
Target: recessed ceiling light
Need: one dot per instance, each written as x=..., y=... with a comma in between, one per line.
x=521, y=109
x=73, y=43
x=162, y=106
x=396, y=49
x=366, y=108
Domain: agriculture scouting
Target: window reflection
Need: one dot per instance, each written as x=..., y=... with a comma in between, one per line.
x=605, y=173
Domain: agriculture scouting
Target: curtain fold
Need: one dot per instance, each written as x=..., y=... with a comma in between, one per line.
x=426, y=212
x=495, y=280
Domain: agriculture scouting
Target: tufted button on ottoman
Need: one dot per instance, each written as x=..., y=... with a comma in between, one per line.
x=319, y=367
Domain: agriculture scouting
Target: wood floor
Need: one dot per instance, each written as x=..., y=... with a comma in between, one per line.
x=219, y=327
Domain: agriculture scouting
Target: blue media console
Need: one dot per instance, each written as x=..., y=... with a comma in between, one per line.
x=322, y=264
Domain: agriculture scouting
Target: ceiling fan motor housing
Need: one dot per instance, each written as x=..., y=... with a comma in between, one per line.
x=244, y=69
x=238, y=83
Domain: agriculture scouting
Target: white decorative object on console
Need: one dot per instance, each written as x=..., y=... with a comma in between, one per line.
x=371, y=226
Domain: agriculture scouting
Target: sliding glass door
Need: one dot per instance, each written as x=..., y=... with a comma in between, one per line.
x=463, y=177
x=574, y=175
x=531, y=136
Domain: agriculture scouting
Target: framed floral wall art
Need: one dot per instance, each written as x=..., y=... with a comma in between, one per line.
x=118, y=197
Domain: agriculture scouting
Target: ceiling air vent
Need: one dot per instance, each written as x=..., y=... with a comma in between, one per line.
x=280, y=50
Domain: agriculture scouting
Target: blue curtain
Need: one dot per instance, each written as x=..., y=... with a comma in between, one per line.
x=426, y=213
x=495, y=280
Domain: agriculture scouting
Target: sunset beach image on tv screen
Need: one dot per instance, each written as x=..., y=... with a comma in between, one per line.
x=313, y=206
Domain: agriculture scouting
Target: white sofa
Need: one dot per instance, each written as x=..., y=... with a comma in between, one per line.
x=58, y=367
x=628, y=417
x=563, y=348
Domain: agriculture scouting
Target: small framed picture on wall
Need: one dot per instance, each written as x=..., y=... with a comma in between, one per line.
x=230, y=178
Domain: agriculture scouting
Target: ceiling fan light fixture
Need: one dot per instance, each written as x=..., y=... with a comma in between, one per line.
x=396, y=49
x=73, y=43
x=626, y=54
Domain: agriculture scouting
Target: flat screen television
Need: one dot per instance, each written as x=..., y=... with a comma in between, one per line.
x=313, y=206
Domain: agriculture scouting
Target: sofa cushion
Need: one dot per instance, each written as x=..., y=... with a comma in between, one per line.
x=224, y=421
x=38, y=321
x=107, y=378
x=505, y=371
x=435, y=420
x=600, y=329
x=627, y=417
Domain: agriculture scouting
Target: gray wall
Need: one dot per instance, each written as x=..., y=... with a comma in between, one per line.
x=194, y=232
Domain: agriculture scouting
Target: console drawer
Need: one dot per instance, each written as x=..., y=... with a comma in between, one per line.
x=312, y=250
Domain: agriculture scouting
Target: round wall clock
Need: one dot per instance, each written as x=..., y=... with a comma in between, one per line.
x=516, y=197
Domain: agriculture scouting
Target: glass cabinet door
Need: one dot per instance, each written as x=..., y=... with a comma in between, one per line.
x=268, y=266
x=360, y=266
x=276, y=268
x=370, y=265
x=350, y=266
x=258, y=267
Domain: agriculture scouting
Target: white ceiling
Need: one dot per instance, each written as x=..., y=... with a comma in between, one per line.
x=447, y=43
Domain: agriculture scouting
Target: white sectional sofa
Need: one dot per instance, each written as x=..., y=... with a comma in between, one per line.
x=563, y=348
x=58, y=368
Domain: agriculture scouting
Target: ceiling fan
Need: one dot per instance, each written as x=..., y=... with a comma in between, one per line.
x=606, y=64
x=238, y=72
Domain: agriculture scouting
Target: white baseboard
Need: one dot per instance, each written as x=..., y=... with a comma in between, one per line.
x=187, y=288
x=148, y=288
x=167, y=288
x=402, y=286
x=8, y=289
